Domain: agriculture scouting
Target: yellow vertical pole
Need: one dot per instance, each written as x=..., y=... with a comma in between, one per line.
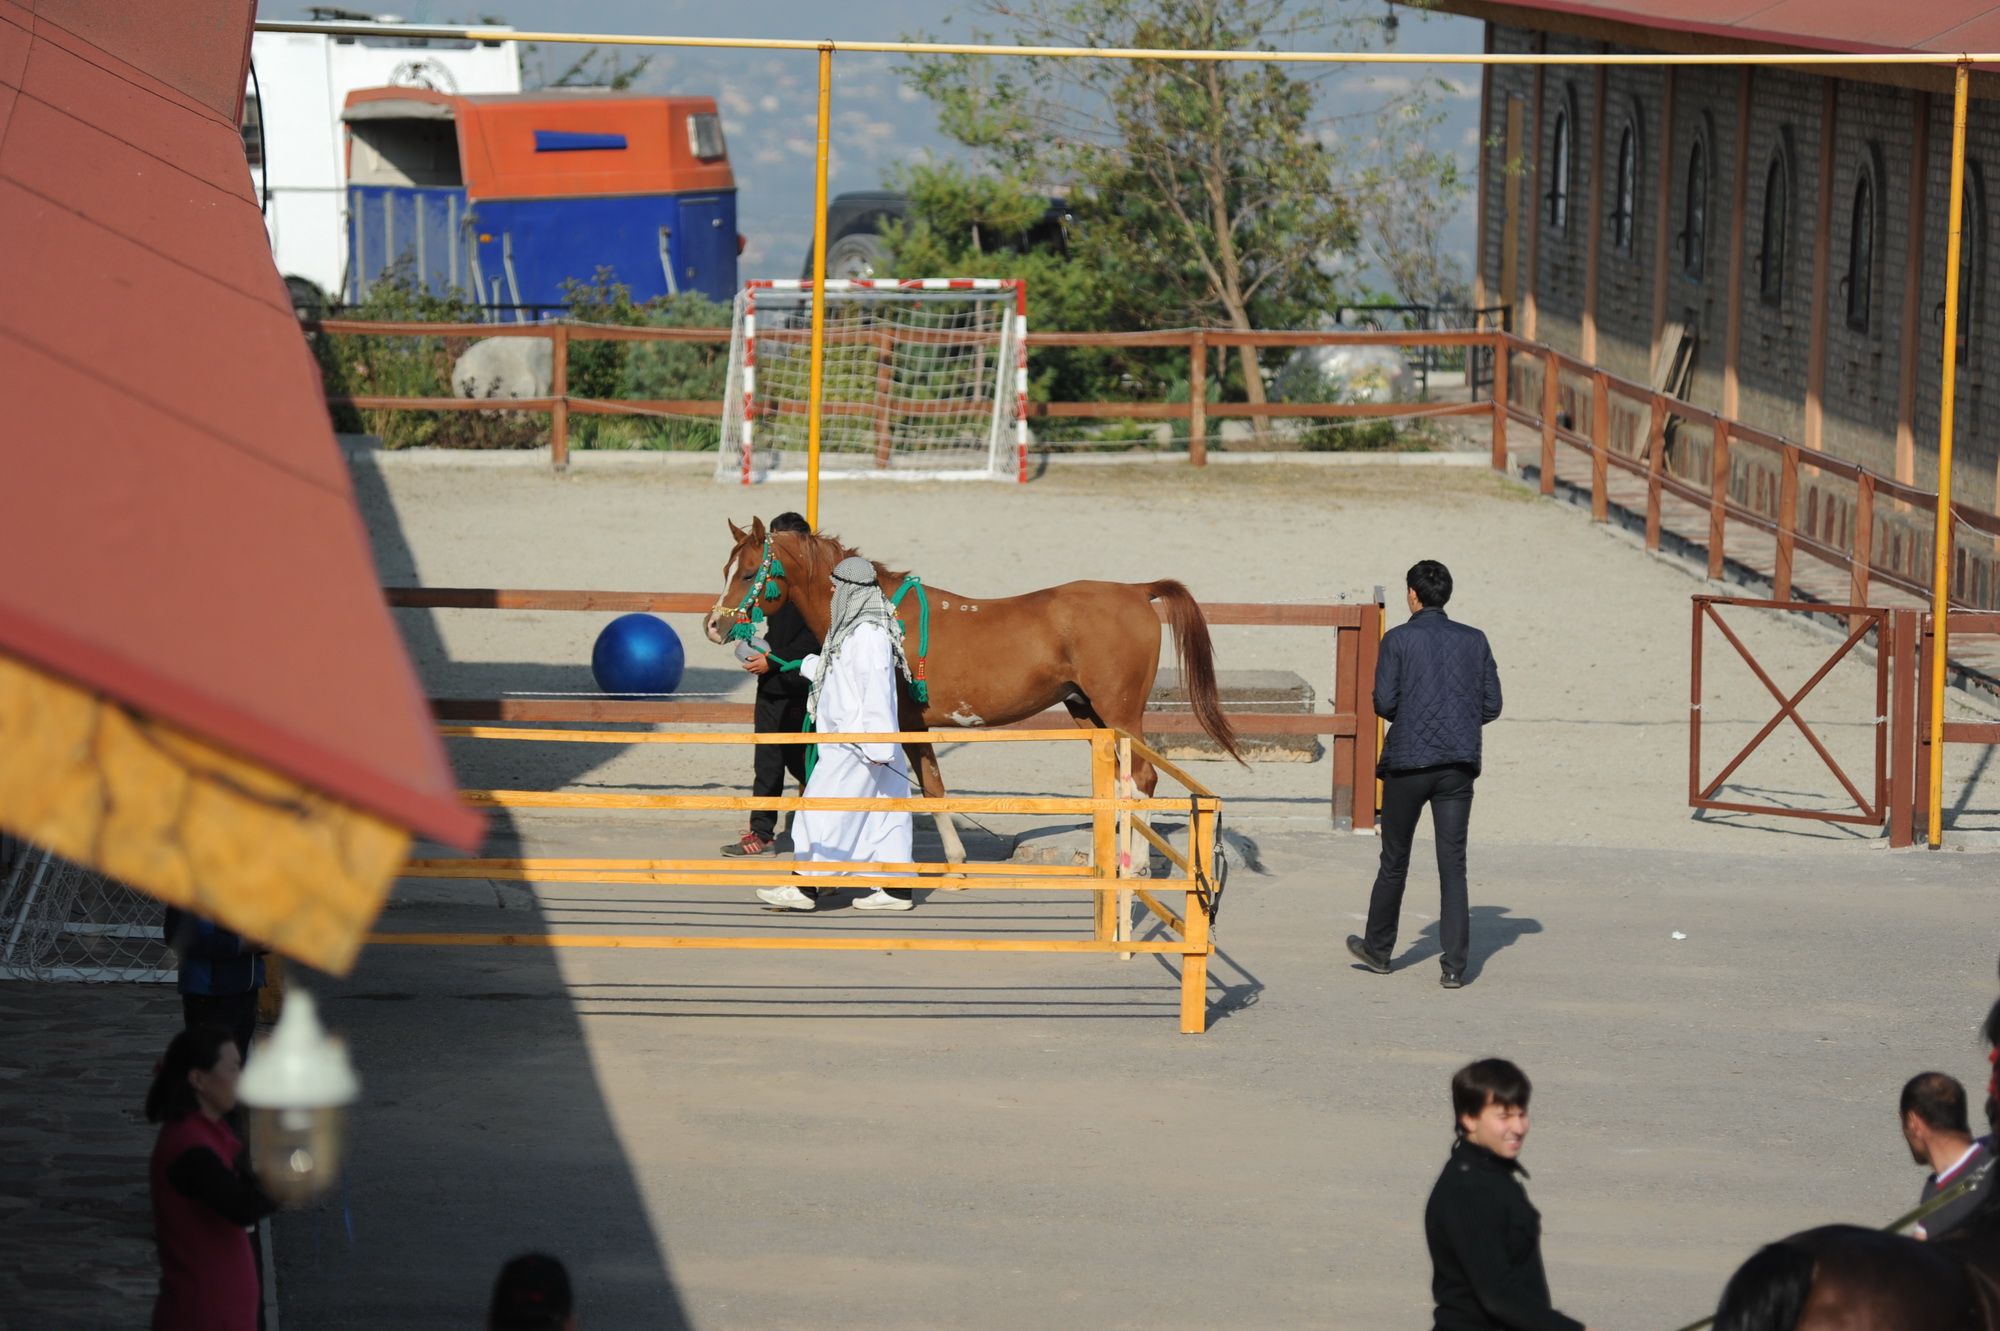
x=1941, y=570
x=816, y=395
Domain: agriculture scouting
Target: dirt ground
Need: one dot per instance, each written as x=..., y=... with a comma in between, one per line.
x=1718, y=1012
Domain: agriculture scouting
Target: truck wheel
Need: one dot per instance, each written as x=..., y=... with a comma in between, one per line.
x=857, y=254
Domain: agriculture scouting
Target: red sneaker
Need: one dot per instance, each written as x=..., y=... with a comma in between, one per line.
x=752, y=843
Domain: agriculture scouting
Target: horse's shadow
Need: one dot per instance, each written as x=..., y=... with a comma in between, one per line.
x=1492, y=929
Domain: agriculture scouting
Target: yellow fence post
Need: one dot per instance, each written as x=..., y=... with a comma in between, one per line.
x=1104, y=829
x=816, y=390
x=1194, y=957
x=1954, y=255
x=1128, y=842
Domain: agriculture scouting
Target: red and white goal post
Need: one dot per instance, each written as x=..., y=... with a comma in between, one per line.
x=924, y=378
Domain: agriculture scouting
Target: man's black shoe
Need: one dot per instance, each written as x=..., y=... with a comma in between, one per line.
x=1366, y=955
x=1450, y=981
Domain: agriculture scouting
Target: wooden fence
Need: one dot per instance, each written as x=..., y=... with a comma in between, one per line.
x=1196, y=412
x=1121, y=839
x=1867, y=527
x=1351, y=728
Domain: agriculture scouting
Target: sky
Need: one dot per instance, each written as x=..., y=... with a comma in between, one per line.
x=767, y=97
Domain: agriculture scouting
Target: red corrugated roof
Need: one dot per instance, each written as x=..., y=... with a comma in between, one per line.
x=1945, y=26
x=178, y=529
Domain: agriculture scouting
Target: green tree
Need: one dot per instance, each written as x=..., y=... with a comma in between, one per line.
x=1207, y=183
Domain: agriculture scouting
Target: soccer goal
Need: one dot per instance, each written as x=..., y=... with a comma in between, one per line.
x=924, y=379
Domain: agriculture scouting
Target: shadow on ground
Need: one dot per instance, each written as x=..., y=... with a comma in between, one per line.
x=457, y=1159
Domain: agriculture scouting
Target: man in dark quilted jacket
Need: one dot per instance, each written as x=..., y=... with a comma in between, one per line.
x=1436, y=685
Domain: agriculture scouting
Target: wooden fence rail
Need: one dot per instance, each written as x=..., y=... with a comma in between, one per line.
x=1869, y=527
x=1197, y=411
x=1351, y=728
x=1116, y=813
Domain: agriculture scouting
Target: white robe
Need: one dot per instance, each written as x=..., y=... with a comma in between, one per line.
x=858, y=696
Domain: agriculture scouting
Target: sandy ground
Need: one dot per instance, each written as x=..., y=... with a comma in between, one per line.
x=818, y=1140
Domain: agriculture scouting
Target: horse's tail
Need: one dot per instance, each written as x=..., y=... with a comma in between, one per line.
x=1768, y=1292
x=1197, y=659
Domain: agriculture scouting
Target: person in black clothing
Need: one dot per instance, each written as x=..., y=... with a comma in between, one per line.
x=1484, y=1235
x=532, y=1294
x=1436, y=685
x=221, y=973
x=781, y=708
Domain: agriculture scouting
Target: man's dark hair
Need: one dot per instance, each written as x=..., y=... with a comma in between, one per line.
x=1431, y=581
x=1937, y=1100
x=532, y=1294
x=791, y=522
x=1490, y=1081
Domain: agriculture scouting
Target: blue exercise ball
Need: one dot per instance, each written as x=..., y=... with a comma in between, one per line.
x=638, y=654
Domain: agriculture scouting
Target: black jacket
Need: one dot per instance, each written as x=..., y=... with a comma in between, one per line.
x=785, y=629
x=1436, y=684
x=1485, y=1239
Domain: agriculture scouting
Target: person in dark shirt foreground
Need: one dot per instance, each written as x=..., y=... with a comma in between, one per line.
x=1485, y=1236
x=1940, y=1138
x=532, y=1294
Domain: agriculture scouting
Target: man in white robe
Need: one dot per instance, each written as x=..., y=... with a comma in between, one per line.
x=853, y=692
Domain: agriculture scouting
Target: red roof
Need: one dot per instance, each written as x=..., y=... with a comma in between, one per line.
x=178, y=529
x=1946, y=26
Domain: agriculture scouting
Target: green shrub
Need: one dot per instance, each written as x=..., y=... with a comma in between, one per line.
x=412, y=367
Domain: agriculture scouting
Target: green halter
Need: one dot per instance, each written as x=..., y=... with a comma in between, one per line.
x=750, y=610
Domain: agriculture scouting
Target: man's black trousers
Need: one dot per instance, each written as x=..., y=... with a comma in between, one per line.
x=776, y=715
x=1448, y=792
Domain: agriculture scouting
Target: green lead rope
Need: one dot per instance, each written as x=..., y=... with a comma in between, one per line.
x=920, y=688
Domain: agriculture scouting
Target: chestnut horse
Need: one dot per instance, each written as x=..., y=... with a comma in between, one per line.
x=1094, y=647
x=1845, y=1278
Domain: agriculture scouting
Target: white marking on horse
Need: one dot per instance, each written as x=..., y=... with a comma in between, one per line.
x=965, y=716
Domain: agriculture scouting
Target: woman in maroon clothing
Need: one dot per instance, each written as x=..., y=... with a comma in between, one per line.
x=203, y=1194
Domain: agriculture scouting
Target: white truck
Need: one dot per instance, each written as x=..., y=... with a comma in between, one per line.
x=296, y=144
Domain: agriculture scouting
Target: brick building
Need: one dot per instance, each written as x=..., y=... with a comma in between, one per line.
x=1793, y=225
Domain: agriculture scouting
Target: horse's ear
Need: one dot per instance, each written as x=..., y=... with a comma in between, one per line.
x=756, y=529
x=735, y=531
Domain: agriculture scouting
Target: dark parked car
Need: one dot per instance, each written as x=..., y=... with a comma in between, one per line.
x=855, y=221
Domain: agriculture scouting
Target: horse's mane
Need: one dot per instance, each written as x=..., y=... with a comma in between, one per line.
x=823, y=550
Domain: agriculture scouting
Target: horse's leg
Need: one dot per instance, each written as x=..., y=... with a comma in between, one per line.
x=924, y=758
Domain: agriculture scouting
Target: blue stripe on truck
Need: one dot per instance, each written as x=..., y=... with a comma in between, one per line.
x=569, y=141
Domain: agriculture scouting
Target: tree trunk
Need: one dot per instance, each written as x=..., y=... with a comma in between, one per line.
x=1228, y=262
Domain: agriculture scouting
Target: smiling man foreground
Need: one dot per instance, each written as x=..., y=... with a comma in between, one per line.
x=1485, y=1236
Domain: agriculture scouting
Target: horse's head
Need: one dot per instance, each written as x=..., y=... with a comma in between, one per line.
x=739, y=582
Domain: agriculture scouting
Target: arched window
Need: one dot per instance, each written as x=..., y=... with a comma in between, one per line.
x=1694, y=211
x=1625, y=191
x=1860, y=278
x=1559, y=155
x=1777, y=213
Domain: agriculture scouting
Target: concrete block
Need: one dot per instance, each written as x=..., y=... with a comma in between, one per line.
x=1277, y=691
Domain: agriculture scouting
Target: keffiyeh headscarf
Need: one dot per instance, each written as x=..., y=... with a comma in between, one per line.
x=857, y=600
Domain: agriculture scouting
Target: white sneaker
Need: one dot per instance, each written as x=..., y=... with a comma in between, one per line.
x=881, y=900
x=786, y=898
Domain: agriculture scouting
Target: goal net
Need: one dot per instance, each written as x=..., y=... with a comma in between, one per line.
x=60, y=921
x=924, y=379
